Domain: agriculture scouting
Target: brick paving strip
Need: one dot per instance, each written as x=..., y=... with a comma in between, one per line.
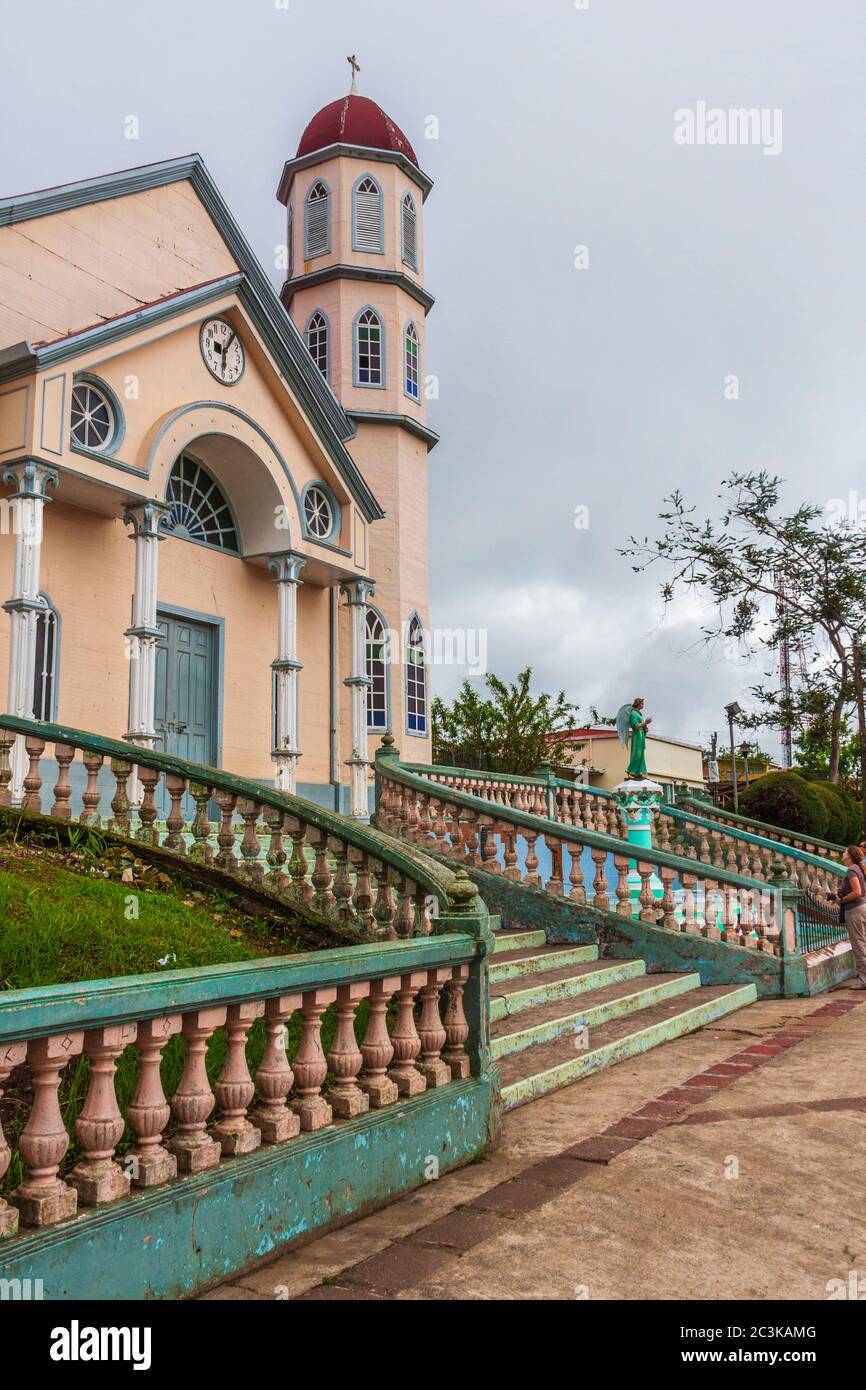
x=407, y=1263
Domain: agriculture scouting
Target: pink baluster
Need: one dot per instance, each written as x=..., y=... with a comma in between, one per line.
x=96, y=1176
x=345, y=1096
x=193, y=1100
x=431, y=1031
x=456, y=1026
x=90, y=796
x=11, y=1055
x=44, y=1199
x=62, y=789
x=404, y=1038
x=376, y=1049
x=275, y=1076
x=174, y=821
x=147, y=811
x=149, y=1163
x=234, y=1090
x=310, y=1066
x=33, y=781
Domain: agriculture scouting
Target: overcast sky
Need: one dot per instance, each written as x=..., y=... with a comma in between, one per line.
x=602, y=387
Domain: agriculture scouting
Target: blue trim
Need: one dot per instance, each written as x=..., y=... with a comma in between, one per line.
x=328, y=336
x=368, y=250
x=408, y=394
x=119, y=431
x=387, y=727
x=326, y=249
x=340, y=150
x=172, y=610
x=372, y=274
x=336, y=513
x=369, y=385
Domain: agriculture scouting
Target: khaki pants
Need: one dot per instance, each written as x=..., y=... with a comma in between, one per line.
x=855, y=921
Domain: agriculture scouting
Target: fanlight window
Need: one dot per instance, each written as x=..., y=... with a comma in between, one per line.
x=317, y=341
x=416, y=680
x=367, y=216
x=93, y=421
x=377, y=692
x=45, y=662
x=317, y=221
x=318, y=513
x=368, y=331
x=198, y=507
x=410, y=231
x=410, y=352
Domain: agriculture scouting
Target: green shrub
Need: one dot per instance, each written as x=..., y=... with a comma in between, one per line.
x=787, y=800
x=846, y=820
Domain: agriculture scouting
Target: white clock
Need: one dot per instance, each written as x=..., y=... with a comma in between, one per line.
x=222, y=351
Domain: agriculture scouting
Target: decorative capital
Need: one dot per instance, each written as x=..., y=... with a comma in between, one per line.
x=286, y=568
x=145, y=518
x=358, y=592
x=30, y=479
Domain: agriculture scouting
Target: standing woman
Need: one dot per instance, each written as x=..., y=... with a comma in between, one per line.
x=852, y=897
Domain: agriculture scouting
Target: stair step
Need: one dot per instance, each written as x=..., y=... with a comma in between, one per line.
x=517, y=940
x=515, y=964
x=553, y=985
x=548, y=1022
x=534, y=1072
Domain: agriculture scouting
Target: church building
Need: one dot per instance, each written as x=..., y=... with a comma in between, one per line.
x=214, y=513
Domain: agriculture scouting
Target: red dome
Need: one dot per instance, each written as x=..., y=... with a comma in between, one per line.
x=354, y=120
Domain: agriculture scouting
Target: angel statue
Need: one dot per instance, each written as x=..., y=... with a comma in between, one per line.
x=630, y=721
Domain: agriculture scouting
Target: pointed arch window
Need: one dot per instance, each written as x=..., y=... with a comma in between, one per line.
x=369, y=349
x=409, y=230
x=416, y=679
x=377, y=659
x=198, y=507
x=367, y=223
x=317, y=221
x=45, y=662
x=317, y=342
x=411, y=379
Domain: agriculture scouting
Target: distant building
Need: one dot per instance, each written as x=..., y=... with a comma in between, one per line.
x=601, y=757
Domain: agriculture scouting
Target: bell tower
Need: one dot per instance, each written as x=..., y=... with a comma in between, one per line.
x=354, y=195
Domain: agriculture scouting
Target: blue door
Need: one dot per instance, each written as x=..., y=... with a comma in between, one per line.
x=185, y=706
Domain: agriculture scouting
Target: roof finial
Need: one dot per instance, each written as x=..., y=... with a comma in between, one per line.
x=356, y=67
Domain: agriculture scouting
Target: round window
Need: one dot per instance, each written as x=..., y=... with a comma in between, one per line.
x=318, y=513
x=92, y=417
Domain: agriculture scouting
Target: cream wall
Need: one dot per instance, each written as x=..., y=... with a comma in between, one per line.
x=666, y=761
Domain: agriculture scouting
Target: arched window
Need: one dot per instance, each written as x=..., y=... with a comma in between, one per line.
x=318, y=512
x=45, y=661
x=409, y=225
x=416, y=679
x=317, y=341
x=410, y=362
x=367, y=224
x=369, y=349
x=377, y=658
x=290, y=239
x=198, y=507
x=317, y=221
x=94, y=420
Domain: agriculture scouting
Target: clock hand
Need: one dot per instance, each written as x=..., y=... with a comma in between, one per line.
x=226, y=352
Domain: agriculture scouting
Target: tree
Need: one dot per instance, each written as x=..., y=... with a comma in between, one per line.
x=505, y=733
x=775, y=576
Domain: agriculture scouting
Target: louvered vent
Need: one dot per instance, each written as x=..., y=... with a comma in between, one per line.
x=410, y=233
x=317, y=214
x=367, y=232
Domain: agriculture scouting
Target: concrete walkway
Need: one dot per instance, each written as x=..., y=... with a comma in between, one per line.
x=728, y=1164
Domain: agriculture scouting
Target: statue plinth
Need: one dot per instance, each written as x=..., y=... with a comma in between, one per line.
x=639, y=800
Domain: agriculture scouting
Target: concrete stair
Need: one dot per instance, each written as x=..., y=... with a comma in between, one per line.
x=559, y=1013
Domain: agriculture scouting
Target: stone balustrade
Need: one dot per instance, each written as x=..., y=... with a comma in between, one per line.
x=269, y=1092
x=671, y=891
x=728, y=847
x=339, y=870
x=732, y=820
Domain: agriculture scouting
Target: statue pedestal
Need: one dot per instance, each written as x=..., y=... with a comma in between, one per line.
x=639, y=800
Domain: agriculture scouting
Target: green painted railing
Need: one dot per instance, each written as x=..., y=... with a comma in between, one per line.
x=157, y=1197
x=667, y=889
x=786, y=837
x=366, y=885
x=728, y=846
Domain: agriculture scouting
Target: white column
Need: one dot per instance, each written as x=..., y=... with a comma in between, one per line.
x=358, y=594
x=145, y=519
x=28, y=504
x=286, y=750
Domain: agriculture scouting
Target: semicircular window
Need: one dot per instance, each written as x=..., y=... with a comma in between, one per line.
x=318, y=513
x=198, y=507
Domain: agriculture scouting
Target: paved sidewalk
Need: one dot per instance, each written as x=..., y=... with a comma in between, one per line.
x=727, y=1164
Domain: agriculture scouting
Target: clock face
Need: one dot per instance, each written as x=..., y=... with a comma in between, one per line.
x=222, y=351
